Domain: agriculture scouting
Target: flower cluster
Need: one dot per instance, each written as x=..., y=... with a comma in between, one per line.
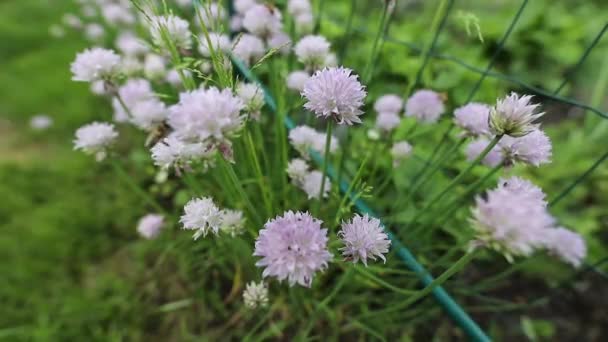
x=308, y=181
x=95, y=138
x=513, y=219
x=521, y=142
x=203, y=216
x=304, y=139
x=293, y=247
x=335, y=93
x=364, y=238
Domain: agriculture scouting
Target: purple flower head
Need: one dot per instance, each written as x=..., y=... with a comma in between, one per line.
x=389, y=103
x=524, y=188
x=150, y=225
x=473, y=117
x=425, y=105
x=293, y=247
x=474, y=149
x=363, y=238
x=514, y=116
x=387, y=121
x=95, y=138
x=533, y=148
x=335, y=92
x=312, y=51
x=311, y=184
x=296, y=80
x=249, y=48
x=511, y=222
x=566, y=245
x=95, y=64
x=262, y=21
x=206, y=113
x=202, y=215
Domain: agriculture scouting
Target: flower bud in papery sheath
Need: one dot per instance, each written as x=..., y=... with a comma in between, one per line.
x=389, y=103
x=363, y=238
x=173, y=28
x=475, y=147
x=95, y=64
x=312, y=185
x=255, y=295
x=262, y=21
x=511, y=221
x=335, y=93
x=95, y=138
x=425, y=105
x=312, y=51
x=150, y=225
x=473, y=117
x=533, y=149
x=293, y=247
x=514, y=116
x=202, y=215
x=566, y=245
x=296, y=80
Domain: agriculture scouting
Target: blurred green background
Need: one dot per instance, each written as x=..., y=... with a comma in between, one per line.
x=73, y=267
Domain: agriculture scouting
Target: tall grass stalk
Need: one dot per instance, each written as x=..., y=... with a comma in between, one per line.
x=131, y=183
x=325, y=161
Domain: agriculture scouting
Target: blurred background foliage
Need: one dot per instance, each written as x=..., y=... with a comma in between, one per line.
x=74, y=267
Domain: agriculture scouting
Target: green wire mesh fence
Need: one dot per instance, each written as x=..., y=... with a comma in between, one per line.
x=455, y=311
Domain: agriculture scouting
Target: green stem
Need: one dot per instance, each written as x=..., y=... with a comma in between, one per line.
x=366, y=273
x=325, y=161
x=577, y=181
x=266, y=193
x=461, y=200
x=457, y=179
x=423, y=178
x=455, y=268
x=351, y=185
x=239, y=189
x=319, y=15
x=347, y=31
x=144, y=195
x=345, y=277
x=381, y=29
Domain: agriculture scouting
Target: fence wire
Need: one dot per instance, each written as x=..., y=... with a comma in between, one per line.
x=454, y=310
